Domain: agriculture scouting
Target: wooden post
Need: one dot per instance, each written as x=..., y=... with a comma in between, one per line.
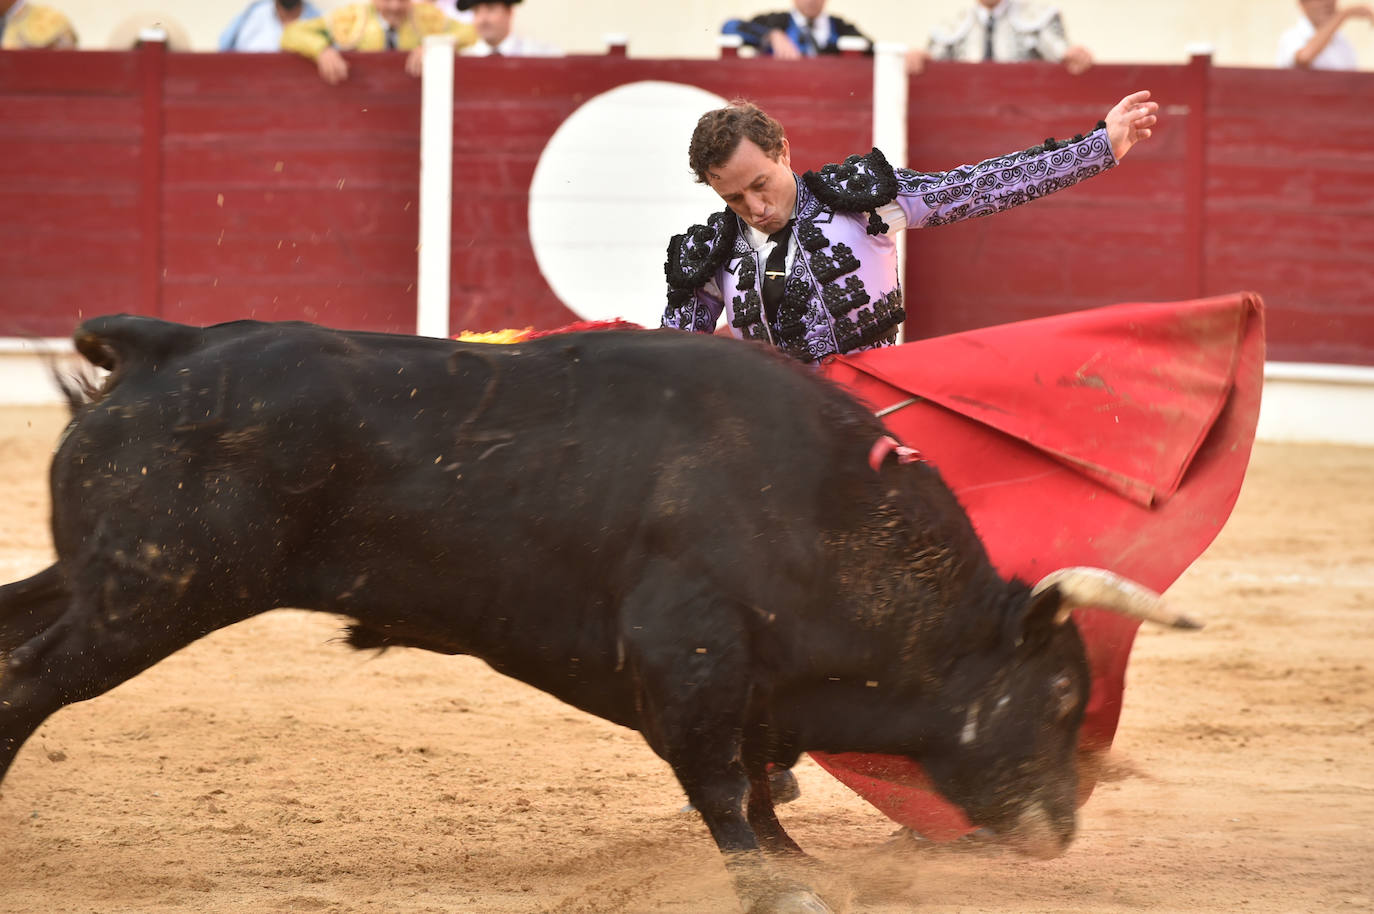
x=852, y=46
x=1195, y=200
x=890, y=106
x=436, y=188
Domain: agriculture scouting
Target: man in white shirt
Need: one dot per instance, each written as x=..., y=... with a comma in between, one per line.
x=259, y=26
x=493, y=20
x=1009, y=31
x=1315, y=42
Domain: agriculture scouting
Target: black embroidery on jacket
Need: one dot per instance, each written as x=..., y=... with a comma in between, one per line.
x=861, y=183
x=1000, y=183
x=840, y=261
x=846, y=335
x=810, y=236
x=748, y=305
x=840, y=300
x=886, y=316
x=748, y=273
x=1051, y=144
x=871, y=326
x=791, y=324
x=696, y=255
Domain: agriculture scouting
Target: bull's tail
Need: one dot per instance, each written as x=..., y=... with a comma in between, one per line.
x=31, y=606
x=79, y=388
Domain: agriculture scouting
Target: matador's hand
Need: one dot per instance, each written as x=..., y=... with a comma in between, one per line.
x=1130, y=122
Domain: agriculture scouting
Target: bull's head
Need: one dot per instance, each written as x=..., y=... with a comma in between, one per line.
x=1010, y=762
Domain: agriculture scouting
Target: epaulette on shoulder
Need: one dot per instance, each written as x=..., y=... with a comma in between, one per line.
x=861, y=183
x=347, y=23
x=42, y=26
x=429, y=18
x=696, y=254
x=1032, y=17
x=954, y=32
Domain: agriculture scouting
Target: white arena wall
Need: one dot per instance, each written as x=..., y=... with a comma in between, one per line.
x=1332, y=404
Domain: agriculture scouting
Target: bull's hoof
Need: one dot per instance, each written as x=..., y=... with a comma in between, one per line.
x=797, y=901
x=783, y=786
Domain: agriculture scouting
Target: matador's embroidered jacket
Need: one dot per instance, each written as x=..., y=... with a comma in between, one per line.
x=842, y=292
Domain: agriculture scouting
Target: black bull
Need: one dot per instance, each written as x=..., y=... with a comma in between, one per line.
x=676, y=533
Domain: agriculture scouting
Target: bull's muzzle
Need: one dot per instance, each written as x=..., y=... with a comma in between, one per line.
x=1037, y=833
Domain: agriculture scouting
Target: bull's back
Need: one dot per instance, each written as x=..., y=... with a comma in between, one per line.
x=573, y=444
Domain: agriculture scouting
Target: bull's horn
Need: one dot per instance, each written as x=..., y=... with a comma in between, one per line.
x=1099, y=588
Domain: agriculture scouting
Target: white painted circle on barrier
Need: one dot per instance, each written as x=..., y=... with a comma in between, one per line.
x=611, y=187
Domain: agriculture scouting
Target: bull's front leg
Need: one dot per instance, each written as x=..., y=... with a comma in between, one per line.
x=688, y=656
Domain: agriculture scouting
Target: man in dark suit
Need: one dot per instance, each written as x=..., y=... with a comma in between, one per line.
x=804, y=31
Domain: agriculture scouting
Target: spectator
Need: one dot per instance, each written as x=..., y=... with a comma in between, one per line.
x=1315, y=42
x=808, y=264
x=450, y=8
x=259, y=26
x=381, y=25
x=28, y=25
x=493, y=20
x=1009, y=31
x=805, y=31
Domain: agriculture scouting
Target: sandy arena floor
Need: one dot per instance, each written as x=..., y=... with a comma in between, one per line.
x=269, y=769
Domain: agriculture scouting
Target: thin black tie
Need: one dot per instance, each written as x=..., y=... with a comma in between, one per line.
x=391, y=38
x=809, y=47
x=987, y=39
x=775, y=271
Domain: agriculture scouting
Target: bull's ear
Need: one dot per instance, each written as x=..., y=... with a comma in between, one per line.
x=1044, y=612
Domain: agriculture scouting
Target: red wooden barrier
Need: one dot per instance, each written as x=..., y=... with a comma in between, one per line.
x=206, y=187
x=1131, y=235
x=1290, y=206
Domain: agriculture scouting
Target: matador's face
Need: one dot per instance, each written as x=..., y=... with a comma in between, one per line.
x=758, y=188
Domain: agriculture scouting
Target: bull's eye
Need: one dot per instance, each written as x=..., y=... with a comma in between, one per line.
x=1065, y=696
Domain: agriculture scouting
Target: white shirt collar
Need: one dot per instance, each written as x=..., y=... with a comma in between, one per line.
x=756, y=238
x=820, y=25
x=385, y=25
x=997, y=12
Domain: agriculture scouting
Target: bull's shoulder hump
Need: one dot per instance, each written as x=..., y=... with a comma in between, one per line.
x=701, y=362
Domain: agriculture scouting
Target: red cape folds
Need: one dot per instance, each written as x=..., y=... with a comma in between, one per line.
x=1116, y=437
